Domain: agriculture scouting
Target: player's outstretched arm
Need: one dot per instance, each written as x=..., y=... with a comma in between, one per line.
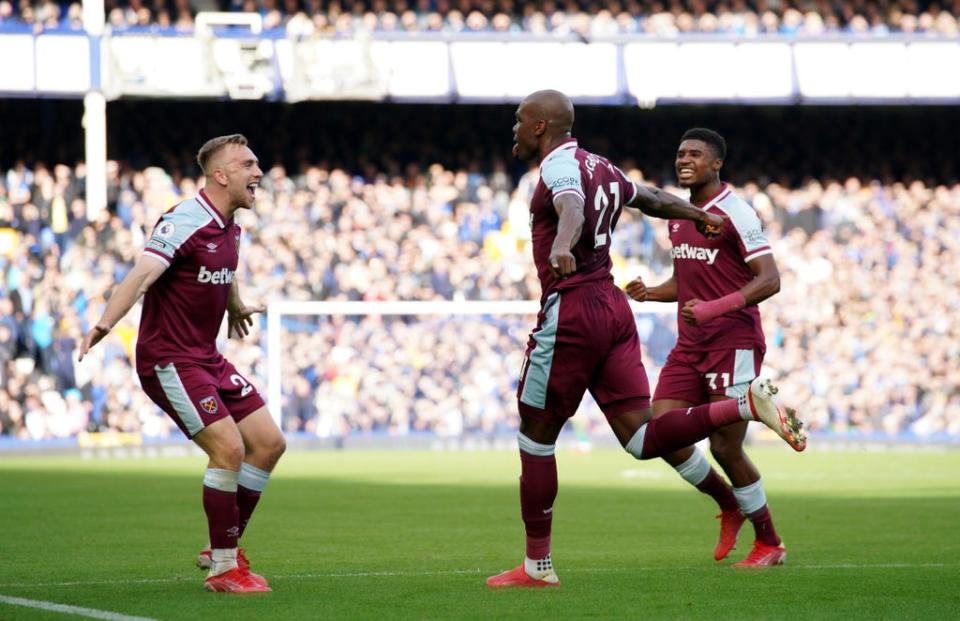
x=569, y=207
x=146, y=271
x=660, y=204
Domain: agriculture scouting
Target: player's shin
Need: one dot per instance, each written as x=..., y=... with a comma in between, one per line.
x=252, y=482
x=220, y=505
x=679, y=428
x=753, y=502
x=538, y=490
x=697, y=472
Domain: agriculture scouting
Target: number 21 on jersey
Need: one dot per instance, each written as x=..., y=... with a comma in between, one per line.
x=601, y=203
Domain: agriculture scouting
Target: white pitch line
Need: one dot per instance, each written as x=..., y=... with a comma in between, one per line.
x=80, y=611
x=477, y=571
x=359, y=574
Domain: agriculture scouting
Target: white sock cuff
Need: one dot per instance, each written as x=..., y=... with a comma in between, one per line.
x=223, y=554
x=223, y=480
x=530, y=447
x=536, y=568
x=695, y=469
x=635, y=445
x=751, y=498
x=253, y=478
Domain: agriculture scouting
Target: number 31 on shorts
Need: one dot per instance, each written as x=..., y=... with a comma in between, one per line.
x=712, y=380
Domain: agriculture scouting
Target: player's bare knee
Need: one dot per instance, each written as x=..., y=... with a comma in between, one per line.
x=266, y=449
x=230, y=455
x=278, y=446
x=227, y=452
x=226, y=460
x=630, y=428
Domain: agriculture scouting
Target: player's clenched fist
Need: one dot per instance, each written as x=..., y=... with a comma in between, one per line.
x=637, y=290
x=689, y=312
x=711, y=225
x=562, y=263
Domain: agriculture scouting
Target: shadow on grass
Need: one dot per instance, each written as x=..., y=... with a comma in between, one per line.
x=353, y=549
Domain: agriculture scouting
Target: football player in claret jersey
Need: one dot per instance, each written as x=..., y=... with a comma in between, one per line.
x=187, y=276
x=586, y=335
x=717, y=284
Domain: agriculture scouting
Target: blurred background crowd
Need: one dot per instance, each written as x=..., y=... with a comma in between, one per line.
x=585, y=19
x=862, y=333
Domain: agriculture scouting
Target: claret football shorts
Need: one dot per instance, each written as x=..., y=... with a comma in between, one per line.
x=695, y=376
x=585, y=339
x=195, y=394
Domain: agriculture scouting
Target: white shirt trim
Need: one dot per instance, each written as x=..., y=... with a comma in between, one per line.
x=153, y=255
x=716, y=199
x=570, y=191
x=210, y=210
x=634, y=187
x=757, y=253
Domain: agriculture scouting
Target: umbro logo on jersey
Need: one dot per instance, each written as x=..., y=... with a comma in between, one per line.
x=675, y=227
x=686, y=251
x=222, y=276
x=212, y=247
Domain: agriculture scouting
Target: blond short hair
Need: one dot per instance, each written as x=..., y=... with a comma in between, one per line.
x=214, y=145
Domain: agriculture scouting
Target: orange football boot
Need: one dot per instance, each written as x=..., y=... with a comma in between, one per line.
x=237, y=580
x=763, y=555
x=730, y=523
x=518, y=577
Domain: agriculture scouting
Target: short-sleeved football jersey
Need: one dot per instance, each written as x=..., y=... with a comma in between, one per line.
x=712, y=268
x=184, y=308
x=605, y=190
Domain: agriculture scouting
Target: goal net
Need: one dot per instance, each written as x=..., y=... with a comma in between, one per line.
x=435, y=369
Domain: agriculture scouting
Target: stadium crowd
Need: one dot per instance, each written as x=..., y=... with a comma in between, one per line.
x=861, y=334
x=573, y=18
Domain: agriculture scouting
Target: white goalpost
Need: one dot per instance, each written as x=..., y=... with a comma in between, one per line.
x=277, y=310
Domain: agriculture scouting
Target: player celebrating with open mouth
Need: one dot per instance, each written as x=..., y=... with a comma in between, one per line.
x=717, y=284
x=586, y=335
x=187, y=274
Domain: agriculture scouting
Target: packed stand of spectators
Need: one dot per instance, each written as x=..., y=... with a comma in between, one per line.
x=549, y=18
x=861, y=333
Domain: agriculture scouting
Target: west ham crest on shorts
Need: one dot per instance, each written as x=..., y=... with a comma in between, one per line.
x=209, y=405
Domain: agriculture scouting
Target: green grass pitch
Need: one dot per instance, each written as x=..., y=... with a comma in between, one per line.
x=413, y=535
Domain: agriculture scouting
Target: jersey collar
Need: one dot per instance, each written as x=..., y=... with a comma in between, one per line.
x=207, y=204
x=719, y=196
x=569, y=143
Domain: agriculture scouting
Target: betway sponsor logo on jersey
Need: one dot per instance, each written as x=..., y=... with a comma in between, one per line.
x=219, y=277
x=686, y=251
